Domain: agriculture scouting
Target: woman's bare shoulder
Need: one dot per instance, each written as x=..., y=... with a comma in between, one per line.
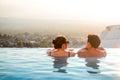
x=50, y=51
x=72, y=53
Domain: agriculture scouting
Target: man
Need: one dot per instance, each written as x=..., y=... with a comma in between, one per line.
x=92, y=48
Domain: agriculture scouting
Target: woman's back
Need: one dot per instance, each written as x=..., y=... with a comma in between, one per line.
x=61, y=53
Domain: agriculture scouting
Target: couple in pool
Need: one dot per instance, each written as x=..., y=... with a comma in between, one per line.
x=92, y=48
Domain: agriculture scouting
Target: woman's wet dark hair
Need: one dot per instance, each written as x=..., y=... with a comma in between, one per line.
x=94, y=40
x=59, y=40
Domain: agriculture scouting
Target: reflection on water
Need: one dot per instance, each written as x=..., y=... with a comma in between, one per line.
x=35, y=64
x=92, y=63
x=59, y=63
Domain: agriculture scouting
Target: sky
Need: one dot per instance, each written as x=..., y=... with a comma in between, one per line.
x=89, y=12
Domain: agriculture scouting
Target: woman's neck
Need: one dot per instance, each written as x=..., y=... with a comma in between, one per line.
x=61, y=49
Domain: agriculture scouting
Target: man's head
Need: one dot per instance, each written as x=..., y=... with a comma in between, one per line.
x=94, y=41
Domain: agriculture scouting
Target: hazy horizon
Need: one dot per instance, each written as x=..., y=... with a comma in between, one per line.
x=13, y=25
x=72, y=16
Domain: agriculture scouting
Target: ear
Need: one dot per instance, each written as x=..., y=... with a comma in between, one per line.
x=63, y=46
x=88, y=45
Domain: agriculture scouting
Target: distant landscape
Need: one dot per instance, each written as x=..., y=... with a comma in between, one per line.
x=49, y=18
x=39, y=33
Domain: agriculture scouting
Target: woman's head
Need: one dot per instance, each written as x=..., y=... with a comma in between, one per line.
x=94, y=41
x=60, y=41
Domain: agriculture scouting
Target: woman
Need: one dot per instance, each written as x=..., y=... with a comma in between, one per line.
x=60, y=45
x=59, y=53
x=92, y=48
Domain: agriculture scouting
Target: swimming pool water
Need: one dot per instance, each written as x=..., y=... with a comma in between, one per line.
x=35, y=64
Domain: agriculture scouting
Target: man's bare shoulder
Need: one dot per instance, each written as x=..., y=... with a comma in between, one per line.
x=102, y=51
x=83, y=50
x=101, y=48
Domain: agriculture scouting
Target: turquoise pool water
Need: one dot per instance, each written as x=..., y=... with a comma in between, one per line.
x=35, y=64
